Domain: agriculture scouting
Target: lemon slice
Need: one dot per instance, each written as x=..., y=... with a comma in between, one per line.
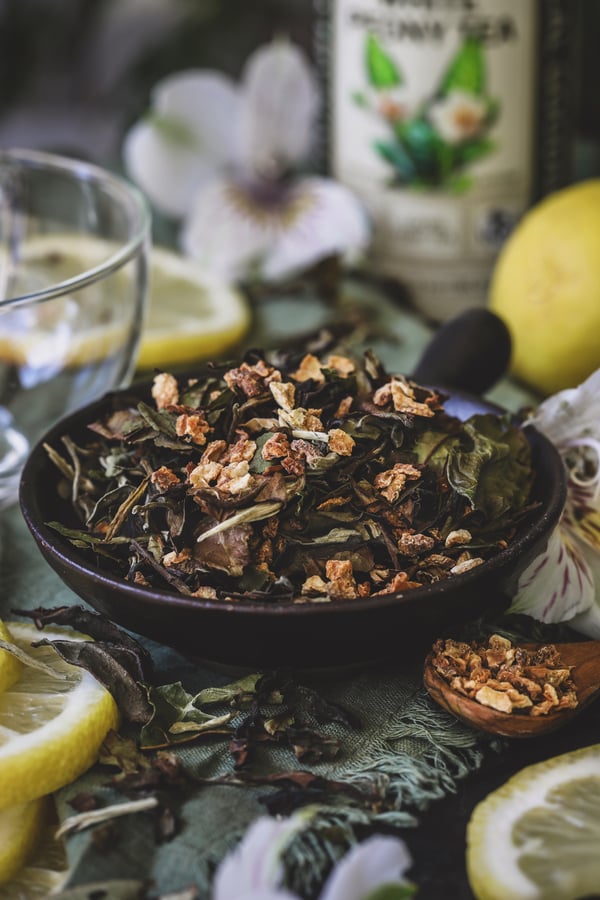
x=10, y=667
x=20, y=827
x=44, y=872
x=537, y=837
x=191, y=315
x=51, y=728
x=80, y=326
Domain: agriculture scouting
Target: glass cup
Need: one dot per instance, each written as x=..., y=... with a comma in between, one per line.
x=74, y=245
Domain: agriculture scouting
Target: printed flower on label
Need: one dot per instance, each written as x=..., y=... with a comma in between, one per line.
x=392, y=106
x=563, y=583
x=459, y=117
x=254, y=870
x=224, y=159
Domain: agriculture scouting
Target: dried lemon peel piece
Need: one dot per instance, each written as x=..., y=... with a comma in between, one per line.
x=506, y=677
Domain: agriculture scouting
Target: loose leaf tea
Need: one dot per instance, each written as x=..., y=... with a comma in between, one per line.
x=309, y=481
x=507, y=677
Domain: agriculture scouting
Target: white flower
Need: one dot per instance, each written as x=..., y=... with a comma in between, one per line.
x=253, y=871
x=377, y=862
x=563, y=583
x=254, y=868
x=222, y=157
x=459, y=116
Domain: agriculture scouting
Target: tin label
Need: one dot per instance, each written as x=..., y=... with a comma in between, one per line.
x=433, y=126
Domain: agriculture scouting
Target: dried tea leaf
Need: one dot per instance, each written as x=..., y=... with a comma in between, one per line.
x=176, y=717
x=239, y=692
x=60, y=462
x=115, y=889
x=85, y=820
x=255, y=513
x=319, y=707
x=297, y=778
x=125, y=508
x=117, y=668
x=161, y=421
x=311, y=747
x=122, y=753
x=83, y=539
x=279, y=724
x=92, y=624
x=214, y=725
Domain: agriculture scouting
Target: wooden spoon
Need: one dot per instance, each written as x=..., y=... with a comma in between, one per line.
x=584, y=658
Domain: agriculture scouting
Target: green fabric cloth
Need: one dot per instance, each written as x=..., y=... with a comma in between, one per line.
x=407, y=752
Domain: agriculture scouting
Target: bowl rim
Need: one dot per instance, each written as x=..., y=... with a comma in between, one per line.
x=68, y=556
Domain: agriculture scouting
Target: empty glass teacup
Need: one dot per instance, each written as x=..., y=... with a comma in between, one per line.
x=73, y=281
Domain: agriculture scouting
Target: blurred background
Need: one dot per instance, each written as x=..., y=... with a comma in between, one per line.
x=74, y=74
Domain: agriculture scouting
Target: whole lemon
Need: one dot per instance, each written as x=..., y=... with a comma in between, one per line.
x=546, y=288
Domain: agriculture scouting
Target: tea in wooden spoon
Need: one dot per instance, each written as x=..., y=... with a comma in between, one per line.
x=513, y=690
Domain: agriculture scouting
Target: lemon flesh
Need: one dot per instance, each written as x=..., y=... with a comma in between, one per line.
x=20, y=827
x=191, y=315
x=10, y=667
x=44, y=872
x=80, y=326
x=546, y=287
x=537, y=837
x=51, y=728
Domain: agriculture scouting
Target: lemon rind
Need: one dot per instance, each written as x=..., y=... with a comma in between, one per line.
x=491, y=874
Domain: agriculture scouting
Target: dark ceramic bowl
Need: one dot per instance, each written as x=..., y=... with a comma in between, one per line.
x=309, y=635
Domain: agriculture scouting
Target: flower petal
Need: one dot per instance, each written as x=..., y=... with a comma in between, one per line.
x=280, y=105
x=571, y=420
x=582, y=514
x=255, y=864
x=328, y=220
x=168, y=174
x=571, y=415
x=233, y=232
x=588, y=621
x=376, y=862
x=192, y=133
x=259, y=894
x=222, y=235
x=558, y=584
x=209, y=104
